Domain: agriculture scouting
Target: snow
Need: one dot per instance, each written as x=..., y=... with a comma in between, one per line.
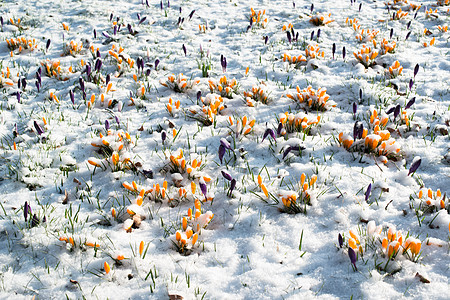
x=88, y=178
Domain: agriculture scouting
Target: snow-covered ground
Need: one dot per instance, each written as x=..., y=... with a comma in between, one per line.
x=320, y=172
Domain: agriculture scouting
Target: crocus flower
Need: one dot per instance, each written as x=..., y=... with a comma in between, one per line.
x=352, y=255
x=340, y=240
x=39, y=129
x=232, y=186
x=25, y=210
x=184, y=49
x=34, y=221
x=48, y=44
x=226, y=175
x=416, y=70
x=221, y=152
x=410, y=102
x=191, y=14
x=415, y=165
x=367, y=194
x=333, y=49
x=267, y=132
x=407, y=35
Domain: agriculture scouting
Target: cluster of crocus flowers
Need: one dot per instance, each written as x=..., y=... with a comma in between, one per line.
x=72, y=48
x=353, y=23
x=258, y=19
x=367, y=35
x=393, y=244
x=191, y=227
x=366, y=56
x=173, y=107
x=21, y=44
x=179, y=83
x=224, y=87
x=53, y=69
x=386, y=46
x=123, y=61
x=430, y=13
x=442, y=28
x=287, y=27
x=379, y=142
x=295, y=202
x=433, y=201
x=315, y=99
x=258, y=93
x=5, y=78
x=113, y=147
x=395, y=69
x=321, y=19
x=430, y=43
x=241, y=126
x=443, y=2
x=312, y=51
x=299, y=122
x=212, y=105
x=390, y=244
x=294, y=60
x=399, y=14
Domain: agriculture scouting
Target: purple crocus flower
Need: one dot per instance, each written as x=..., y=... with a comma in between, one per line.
x=318, y=34
x=88, y=70
x=106, y=125
x=340, y=240
x=312, y=35
x=368, y=191
x=411, y=83
x=106, y=35
x=48, y=44
x=288, y=34
x=95, y=34
x=225, y=143
x=407, y=25
x=72, y=96
x=396, y=111
x=1, y=20
x=156, y=63
x=360, y=6
x=223, y=62
x=416, y=70
x=110, y=17
x=266, y=39
x=414, y=166
x=142, y=20
x=163, y=136
x=355, y=108
x=407, y=35
x=117, y=120
x=184, y=49
x=267, y=132
x=37, y=85
x=24, y=83
x=280, y=127
x=39, y=129
x=203, y=188
x=333, y=49
x=221, y=152
x=410, y=102
x=81, y=81
x=199, y=95
x=312, y=7
x=18, y=97
x=161, y=5
x=391, y=33
x=108, y=79
x=191, y=14
x=343, y=52
x=226, y=176
x=25, y=211
x=34, y=221
x=286, y=152
x=232, y=186
x=352, y=255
